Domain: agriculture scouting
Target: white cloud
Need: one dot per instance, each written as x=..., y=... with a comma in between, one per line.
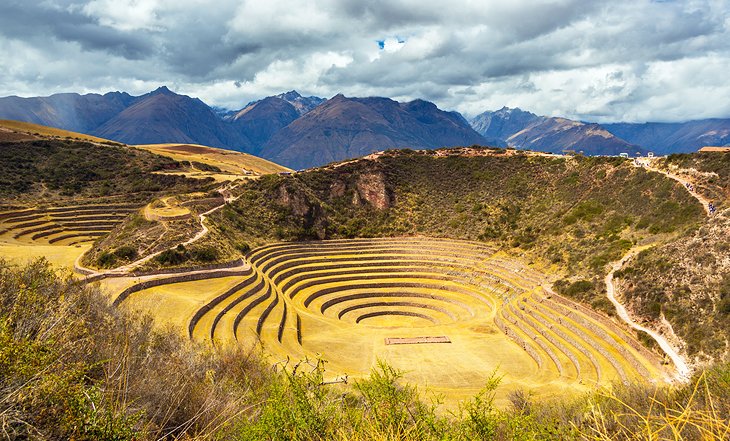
x=587, y=59
x=125, y=15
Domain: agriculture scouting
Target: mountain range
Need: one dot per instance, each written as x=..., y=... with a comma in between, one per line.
x=302, y=132
x=526, y=130
x=344, y=127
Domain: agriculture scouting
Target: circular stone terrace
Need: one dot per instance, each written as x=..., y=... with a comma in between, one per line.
x=447, y=312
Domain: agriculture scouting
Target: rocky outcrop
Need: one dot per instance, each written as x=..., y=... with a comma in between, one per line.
x=298, y=204
x=303, y=206
x=371, y=189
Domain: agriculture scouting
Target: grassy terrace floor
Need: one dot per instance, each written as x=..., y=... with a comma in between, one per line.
x=341, y=300
x=60, y=234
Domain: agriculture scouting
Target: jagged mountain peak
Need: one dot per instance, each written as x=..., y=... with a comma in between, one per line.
x=162, y=90
x=291, y=95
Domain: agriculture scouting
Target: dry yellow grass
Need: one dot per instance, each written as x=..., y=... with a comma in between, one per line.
x=230, y=162
x=171, y=304
x=58, y=255
x=725, y=149
x=342, y=295
x=30, y=128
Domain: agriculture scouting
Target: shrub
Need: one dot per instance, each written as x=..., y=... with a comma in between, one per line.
x=126, y=252
x=74, y=367
x=172, y=257
x=205, y=254
x=106, y=259
x=577, y=289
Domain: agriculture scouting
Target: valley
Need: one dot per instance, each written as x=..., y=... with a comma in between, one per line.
x=354, y=221
x=344, y=300
x=448, y=265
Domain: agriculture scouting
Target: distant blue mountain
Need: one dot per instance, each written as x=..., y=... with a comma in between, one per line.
x=665, y=138
x=526, y=130
x=300, y=131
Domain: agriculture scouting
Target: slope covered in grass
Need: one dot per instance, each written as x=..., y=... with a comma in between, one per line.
x=687, y=280
x=47, y=170
x=575, y=214
x=46, y=131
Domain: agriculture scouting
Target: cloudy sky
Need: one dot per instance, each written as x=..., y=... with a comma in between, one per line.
x=631, y=60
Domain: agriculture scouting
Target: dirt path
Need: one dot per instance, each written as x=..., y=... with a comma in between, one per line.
x=227, y=198
x=703, y=200
x=683, y=370
x=178, y=212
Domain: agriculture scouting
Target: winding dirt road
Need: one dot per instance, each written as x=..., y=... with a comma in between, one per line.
x=683, y=369
x=703, y=200
x=227, y=198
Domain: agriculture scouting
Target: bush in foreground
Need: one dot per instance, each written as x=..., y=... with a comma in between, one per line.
x=73, y=367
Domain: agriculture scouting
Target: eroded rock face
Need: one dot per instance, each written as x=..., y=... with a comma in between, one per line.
x=311, y=213
x=371, y=188
x=298, y=204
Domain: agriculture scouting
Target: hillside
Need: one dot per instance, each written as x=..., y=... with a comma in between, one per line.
x=43, y=171
x=526, y=130
x=504, y=122
x=556, y=133
x=37, y=131
x=262, y=119
x=687, y=281
x=344, y=128
x=68, y=111
x=227, y=161
x=666, y=138
x=576, y=215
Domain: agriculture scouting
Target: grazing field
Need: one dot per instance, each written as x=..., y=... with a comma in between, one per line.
x=60, y=256
x=230, y=163
x=457, y=310
x=166, y=208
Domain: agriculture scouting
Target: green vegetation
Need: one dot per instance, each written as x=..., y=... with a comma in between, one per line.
x=180, y=255
x=72, y=367
x=67, y=168
x=204, y=167
x=109, y=259
x=715, y=166
x=693, y=296
x=578, y=213
x=704, y=161
x=686, y=279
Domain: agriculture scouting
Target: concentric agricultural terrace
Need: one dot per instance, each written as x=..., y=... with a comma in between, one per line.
x=61, y=225
x=448, y=312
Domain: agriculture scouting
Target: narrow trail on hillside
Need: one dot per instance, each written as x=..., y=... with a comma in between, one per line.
x=683, y=370
x=227, y=198
x=703, y=200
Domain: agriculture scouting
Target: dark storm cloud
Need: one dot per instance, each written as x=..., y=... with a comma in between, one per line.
x=625, y=59
x=37, y=23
